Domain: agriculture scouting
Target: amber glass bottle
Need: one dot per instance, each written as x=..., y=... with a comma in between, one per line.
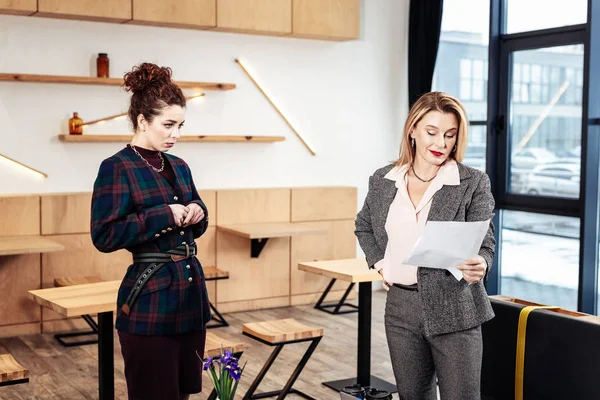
x=102, y=65
x=75, y=125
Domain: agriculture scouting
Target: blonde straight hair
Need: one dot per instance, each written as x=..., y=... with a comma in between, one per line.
x=434, y=101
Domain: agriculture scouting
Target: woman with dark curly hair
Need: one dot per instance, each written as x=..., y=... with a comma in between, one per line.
x=145, y=201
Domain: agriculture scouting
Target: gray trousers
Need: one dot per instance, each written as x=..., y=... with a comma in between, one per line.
x=455, y=358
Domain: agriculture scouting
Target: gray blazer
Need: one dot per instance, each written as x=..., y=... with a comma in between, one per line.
x=448, y=305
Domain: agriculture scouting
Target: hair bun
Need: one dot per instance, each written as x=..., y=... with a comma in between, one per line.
x=145, y=75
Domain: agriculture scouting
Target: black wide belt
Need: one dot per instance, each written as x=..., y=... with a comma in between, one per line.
x=412, y=288
x=156, y=261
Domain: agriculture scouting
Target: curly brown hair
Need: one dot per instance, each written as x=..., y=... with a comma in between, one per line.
x=152, y=90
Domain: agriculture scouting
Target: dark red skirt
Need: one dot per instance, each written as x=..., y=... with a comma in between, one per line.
x=162, y=367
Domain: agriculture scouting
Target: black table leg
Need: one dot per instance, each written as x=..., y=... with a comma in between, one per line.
x=106, y=358
x=363, y=367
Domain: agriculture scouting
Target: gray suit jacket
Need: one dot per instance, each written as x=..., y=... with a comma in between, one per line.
x=448, y=305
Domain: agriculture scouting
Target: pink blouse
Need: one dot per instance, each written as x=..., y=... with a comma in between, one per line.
x=405, y=222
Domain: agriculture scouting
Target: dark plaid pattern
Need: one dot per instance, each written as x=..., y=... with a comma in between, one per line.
x=130, y=210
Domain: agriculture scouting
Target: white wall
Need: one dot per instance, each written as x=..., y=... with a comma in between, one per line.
x=348, y=99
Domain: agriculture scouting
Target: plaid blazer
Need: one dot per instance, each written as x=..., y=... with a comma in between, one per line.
x=130, y=210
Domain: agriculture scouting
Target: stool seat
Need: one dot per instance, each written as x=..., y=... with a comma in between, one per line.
x=212, y=273
x=213, y=345
x=77, y=280
x=281, y=330
x=278, y=333
x=11, y=371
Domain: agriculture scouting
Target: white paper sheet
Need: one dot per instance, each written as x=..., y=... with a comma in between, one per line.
x=446, y=244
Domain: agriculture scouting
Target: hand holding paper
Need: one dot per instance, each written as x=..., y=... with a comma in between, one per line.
x=446, y=244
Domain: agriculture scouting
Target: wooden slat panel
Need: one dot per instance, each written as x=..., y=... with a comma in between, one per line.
x=312, y=298
x=63, y=325
x=267, y=17
x=193, y=14
x=209, y=197
x=322, y=204
x=339, y=243
x=252, y=278
x=66, y=213
x=20, y=330
x=93, y=10
x=207, y=255
x=255, y=304
x=19, y=215
x=253, y=205
x=18, y=274
x=18, y=7
x=80, y=257
x=327, y=19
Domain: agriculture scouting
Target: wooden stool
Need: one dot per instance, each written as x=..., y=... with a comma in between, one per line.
x=212, y=348
x=279, y=333
x=71, y=281
x=215, y=274
x=11, y=372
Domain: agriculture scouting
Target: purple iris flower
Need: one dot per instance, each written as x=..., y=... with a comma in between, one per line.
x=208, y=363
x=235, y=374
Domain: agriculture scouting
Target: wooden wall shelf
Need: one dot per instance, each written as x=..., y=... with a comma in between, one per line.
x=88, y=80
x=260, y=233
x=14, y=245
x=187, y=138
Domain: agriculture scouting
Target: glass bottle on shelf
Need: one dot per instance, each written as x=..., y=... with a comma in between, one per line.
x=102, y=65
x=75, y=125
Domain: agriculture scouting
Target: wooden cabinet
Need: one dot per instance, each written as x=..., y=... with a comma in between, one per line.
x=93, y=10
x=18, y=7
x=193, y=14
x=327, y=19
x=265, y=17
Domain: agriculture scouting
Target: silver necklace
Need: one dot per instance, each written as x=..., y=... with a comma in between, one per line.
x=162, y=159
x=419, y=178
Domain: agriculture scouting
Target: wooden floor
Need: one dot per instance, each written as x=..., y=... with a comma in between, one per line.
x=58, y=372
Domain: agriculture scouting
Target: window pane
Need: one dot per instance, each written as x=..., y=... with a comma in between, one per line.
x=531, y=15
x=545, y=123
x=461, y=68
x=475, y=154
x=540, y=258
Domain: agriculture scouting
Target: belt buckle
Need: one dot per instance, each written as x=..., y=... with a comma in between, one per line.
x=176, y=258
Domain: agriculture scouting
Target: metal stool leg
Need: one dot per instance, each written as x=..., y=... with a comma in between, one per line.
x=92, y=324
x=249, y=394
x=220, y=320
x=287, y=389
x=288, y=386
x=336, y=307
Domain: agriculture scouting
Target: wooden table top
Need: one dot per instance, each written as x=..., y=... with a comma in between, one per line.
x=349, y=270
x=270, y=230
x=73, y=301
x=13, y=245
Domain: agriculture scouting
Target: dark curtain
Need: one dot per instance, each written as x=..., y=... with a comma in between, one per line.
x=424, y=26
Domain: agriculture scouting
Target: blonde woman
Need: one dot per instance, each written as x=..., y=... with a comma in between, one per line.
x=432, y=320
